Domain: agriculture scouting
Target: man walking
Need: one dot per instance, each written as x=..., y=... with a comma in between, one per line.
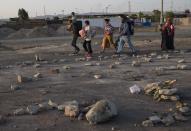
x=125, y=33
x=73, y=26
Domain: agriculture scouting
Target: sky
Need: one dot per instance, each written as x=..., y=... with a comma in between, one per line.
x=9, y=8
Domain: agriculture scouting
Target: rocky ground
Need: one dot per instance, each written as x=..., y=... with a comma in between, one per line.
x=78, y=83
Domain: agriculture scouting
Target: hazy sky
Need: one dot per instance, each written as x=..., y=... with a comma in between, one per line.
x=9, y=8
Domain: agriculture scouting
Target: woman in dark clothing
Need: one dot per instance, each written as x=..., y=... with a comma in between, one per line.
x=168, y=36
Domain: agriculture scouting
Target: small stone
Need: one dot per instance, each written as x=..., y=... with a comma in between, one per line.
x=22, y=79
x=37, y=58
x=168, y=91
x=155, y=119
x=181, y=61
x=19, y=111
x=153, y=54
x=71, y=110
x=148, y=59
x=15, y=87
x=55, y=71
x=168, y=120
x=118, y=63
x=37, y=65
x=38, y=75
x=33, y=109
x=66, y=67
x=98, y=64
x=183, y=67
x=102, y=111
x=112, y=66
x=88, y=64
x=45, y=106
x=61, y=107
x=147, y=123
x=136, y=64
x=180, y=117
x=54, y=105
x=159, y=57
x=97, y=76
x=184, y=109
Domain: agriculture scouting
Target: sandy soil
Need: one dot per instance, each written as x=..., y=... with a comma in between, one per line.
x=79, y=84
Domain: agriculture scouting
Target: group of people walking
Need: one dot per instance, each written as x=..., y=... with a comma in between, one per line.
x=126, y=30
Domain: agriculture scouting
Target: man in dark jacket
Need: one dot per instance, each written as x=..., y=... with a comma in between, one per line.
x=73, y=26
x=125, y=36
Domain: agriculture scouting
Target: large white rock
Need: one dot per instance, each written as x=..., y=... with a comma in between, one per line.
x=102, y=111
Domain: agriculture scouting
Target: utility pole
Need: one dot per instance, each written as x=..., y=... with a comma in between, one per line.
x=129, y=6
x=171, y=6
x=162, y=12
x=44, y=8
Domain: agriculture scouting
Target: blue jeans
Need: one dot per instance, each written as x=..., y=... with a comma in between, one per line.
x=122, y=41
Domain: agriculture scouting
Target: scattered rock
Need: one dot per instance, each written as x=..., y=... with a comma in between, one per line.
x=118, y=63
x=135, y=89
x=168, y=91
x=45, y=106
x=71, y=109
x=181, y=61
x=147, y=123
x=102, y=111
x=88, y=64
x=136, y=63
x=180, y=117
x=37, y=65
x=183, y=67
x=97, y=76
x=19, y=111
x=168, y=120
x=54, y=71
x=38, y=75
x=33, y=109
x=184, y=109
x=67, y=67
x=146, y=59
x=37, y=58
x=21, y=79
x=52, y=104
x=15, y=87
x=155, y=119
x=112, y=66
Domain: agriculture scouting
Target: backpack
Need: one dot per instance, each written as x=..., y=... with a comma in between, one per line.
x=131, y=25
x=77, y=26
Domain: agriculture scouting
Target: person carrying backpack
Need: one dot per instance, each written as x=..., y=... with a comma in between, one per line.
x=75, y=26
x=125, y=31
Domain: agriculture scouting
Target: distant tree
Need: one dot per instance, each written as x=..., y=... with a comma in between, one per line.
x=156, y=16
x=134, y=16
x=141, y=15
x=170, y=15
x=187, y=11
x=23, y=14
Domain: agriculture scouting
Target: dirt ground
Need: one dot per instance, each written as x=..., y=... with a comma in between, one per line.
x=78, y=83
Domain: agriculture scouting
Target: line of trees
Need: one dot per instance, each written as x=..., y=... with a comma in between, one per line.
x=155, y=17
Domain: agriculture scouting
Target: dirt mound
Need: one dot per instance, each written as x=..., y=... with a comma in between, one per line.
x=22, y=33
x=44, y=31
x=61, y=31
x=4, y=32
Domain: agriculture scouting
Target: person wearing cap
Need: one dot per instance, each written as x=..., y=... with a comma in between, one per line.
x=73, y=27
x=108, y=36
x=168, y=35
x=125, y=33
